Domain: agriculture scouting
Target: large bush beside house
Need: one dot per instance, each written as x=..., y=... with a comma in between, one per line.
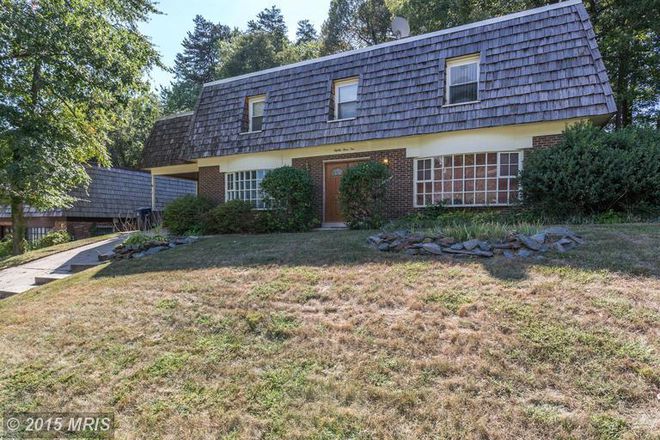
x=362, y=195
x=232, y=217
x=289, y=193
x=593, y=171
x=186, y=214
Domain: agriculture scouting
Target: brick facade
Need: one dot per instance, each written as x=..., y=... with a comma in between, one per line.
x=400, y=192
x=211, y=184
x=546, y=141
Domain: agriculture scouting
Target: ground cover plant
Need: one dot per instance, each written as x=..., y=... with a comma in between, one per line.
x=315, y=335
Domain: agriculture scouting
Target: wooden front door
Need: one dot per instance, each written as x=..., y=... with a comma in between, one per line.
x=333, y=174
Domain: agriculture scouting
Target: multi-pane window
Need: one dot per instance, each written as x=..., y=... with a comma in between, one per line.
x=346, y=92
x=462, y=79
x=476, y=179
x=35, y=234
x=245, y=185
x=256, y=106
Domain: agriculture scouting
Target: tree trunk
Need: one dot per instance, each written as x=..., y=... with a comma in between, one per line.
x=18, y=226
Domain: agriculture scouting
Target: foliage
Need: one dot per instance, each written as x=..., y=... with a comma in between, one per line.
x=5, y=247
x=305, y=32
x=627, y=37
x=289, y=193
x=140, y=238
x=51, y=239
x=270, y=22
x=355, y=23
x=232, y=217
x=65, y=66
x=247, y=53
x=196, y=65
x=131, y=129
x=466, y=224
x=362, y=195
x=186, y=214
x=595, y=171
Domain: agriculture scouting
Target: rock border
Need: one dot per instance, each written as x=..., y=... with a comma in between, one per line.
x=515, y=244
x=128, y=251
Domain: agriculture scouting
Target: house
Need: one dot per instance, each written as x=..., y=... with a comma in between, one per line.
x=451, y=113
x=113, y=196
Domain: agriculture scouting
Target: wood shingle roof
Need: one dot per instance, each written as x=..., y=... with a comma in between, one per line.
x=538, y=65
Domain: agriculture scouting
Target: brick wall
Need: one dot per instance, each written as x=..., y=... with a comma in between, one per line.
x=211, y=184
x=549, y=140
x=399, y=194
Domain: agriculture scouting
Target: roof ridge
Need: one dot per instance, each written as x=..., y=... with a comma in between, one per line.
x=402, y=41
x=175, y=115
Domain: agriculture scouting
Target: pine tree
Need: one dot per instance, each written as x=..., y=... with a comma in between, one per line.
x=271, y=22
x=305, y=32
x=196, y=65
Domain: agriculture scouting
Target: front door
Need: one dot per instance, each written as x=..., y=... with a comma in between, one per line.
x=333, y=174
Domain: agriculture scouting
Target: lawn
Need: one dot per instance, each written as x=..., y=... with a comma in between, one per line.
x=318, y=336
x=29, y=256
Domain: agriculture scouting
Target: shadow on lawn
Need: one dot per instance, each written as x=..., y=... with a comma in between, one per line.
x=627, y=249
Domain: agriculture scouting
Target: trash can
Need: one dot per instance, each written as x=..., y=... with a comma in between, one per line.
x=143, y=218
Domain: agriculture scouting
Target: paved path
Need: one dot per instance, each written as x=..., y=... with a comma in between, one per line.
x=21, y=278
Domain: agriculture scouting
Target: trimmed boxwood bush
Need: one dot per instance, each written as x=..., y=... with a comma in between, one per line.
x=186, y=214
x=288, y=192
x=362, y=195
x=593, y=171
x=233, y=217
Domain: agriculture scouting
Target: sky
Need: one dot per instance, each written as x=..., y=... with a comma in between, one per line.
x=168, y=30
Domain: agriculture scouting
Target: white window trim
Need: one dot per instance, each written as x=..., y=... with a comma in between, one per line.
x=337, y=85
x=227, y=190
x=251, y=101
x=480, y=205
x=461, y=61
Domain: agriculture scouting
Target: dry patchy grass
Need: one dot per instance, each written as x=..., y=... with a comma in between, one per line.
x=318, y=336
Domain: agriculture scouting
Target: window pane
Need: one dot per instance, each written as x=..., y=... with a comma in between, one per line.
x=463, y=74
x=347, y=93
x=463, y=93
x=258, y=108
x=257, y=123
x=347, y=110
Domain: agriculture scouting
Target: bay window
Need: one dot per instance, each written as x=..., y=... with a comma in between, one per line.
x=475, y=179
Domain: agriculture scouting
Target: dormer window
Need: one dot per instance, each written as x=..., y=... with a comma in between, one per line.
x=256, y=106
x=346, y=92
x=462, y=79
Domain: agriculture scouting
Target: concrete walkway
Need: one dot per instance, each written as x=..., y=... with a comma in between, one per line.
x=21, y=278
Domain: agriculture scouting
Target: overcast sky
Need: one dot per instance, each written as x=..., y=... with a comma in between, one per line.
x=169, y=29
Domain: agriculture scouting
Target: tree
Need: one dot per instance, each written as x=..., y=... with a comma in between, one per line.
x=627, y=32
x=355, y=23
x=196, y=65
x=271, y=22
x=248, y=53
x=131, y=129
x=64, y=67
x=305, y=32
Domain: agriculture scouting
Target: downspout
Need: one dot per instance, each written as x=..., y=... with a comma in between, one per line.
x=153, y=192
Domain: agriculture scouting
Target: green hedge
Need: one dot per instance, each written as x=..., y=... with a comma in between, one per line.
x=594, y=171
x=233, y=217
x=288, y=192
x=186, y=214
x=362, y=193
